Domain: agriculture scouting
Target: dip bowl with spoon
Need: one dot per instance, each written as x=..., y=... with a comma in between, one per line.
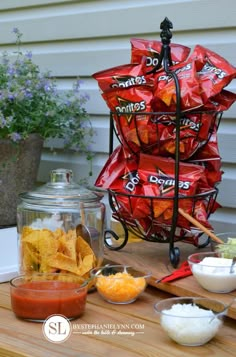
x=213, y=271
x=190, y=321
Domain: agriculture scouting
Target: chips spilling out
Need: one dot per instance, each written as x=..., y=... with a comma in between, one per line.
x=46, y=251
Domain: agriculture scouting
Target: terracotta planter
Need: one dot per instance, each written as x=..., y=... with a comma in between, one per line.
x=18, y=173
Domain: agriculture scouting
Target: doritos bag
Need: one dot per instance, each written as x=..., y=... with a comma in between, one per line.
x=165, y=88
x=214, y=71
x=151, y=49
x=124, y=76
x=131, y=121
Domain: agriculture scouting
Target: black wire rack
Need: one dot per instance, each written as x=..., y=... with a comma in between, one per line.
x=157, y=231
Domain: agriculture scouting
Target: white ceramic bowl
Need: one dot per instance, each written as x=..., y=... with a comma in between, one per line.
x=213, y=272
x=190, y=321
x=119, y=284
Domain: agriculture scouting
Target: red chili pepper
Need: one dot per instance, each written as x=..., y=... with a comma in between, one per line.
x=183, y=271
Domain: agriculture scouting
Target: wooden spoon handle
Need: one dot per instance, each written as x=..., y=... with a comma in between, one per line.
x=199, y=225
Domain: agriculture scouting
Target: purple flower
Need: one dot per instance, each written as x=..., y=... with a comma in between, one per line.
x=3, y=122
x=15, y=137
x=28, y=93
x=11, y=71
x=85, y=97
x=15, y=30
x=28, y=82
x=11, y=96
x=30, y=102
x=28, y=54
x=47, y=87
x=77, y=85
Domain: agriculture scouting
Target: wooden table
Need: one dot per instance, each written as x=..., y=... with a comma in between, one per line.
x=21, y=338
x=154, y=257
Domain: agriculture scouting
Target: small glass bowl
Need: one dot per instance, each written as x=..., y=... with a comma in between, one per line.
x=36, y=297
x=119, y=284
x=190, y=321
x=228, y=249
x=212, y=276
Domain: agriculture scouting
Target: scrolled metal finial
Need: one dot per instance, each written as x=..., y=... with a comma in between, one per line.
x=165, y=55
x=166, y=34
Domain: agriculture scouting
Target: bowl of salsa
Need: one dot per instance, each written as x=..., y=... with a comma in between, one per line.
x=36, y=297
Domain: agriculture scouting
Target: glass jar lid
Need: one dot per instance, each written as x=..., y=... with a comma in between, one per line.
x=60, y=188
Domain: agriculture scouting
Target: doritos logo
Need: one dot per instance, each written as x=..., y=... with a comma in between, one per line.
x=210, y=68
x=126, y=106
x=132, y=179
x=127, y=81
x=167, y=184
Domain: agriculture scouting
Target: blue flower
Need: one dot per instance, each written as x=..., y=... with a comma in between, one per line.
x=3, y=121
x=15, y=137
x=16, y=30
x=11, y=71
x=28, y=54
x=11, y=96
x=30, y=102
x=28, y=93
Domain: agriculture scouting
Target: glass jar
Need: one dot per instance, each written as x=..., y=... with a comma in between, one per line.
x=60, y=227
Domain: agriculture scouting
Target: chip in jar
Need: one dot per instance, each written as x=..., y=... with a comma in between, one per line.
x=45, y=251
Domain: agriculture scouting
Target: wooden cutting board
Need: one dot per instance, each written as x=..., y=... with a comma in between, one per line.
x=154, y=257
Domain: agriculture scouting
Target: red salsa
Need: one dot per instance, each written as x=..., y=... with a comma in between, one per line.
x=36, y=300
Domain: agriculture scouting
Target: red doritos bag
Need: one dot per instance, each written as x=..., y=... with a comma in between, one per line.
x=165, y=88
x=157, y=176
x=134, y=126
x=209, y=156
x=119, y=172
x=220, y=102
x=124, y=76
x=214, y=71
x=195, y=129
x=120, y=175
x=151, y=49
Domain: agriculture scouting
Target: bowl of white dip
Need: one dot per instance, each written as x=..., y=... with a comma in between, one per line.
x=190, y=321
x=213, y=271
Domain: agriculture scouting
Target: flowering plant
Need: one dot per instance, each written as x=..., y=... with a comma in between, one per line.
x=31, y=103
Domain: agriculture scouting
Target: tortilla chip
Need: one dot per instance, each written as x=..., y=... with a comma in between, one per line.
x=159, y=207
x=138, y=137
x=46, y=251
x=71, y=234
x=62, y=262
x=83, y=247
x=59, y=234
x=40, y=244
x=168, y=213
x=26, y=230
x=30, y=259
x=69, y=249
x=87, y=265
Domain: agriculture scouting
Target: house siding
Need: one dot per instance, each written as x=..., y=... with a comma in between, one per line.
x=74, y=38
